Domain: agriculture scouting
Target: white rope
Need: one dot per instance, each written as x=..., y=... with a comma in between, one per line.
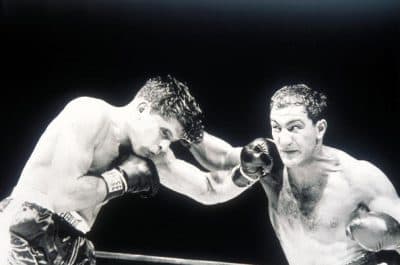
x=158, y=259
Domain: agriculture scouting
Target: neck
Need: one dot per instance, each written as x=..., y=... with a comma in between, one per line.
x=120, y=119
x=311, y=171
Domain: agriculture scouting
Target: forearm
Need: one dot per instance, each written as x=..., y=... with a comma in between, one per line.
x=375, y=227
x=204, y=187
x=215, y=154
x=387, y=205
x=82, y=193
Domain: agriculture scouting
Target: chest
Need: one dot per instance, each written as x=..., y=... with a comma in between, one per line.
x=321, y=211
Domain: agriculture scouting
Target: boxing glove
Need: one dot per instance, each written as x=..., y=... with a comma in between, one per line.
x=374, y=231
x=135, y=175
x=255, y=159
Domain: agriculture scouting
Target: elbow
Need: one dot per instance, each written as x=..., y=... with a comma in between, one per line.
x=215, y=191
x=212, y=198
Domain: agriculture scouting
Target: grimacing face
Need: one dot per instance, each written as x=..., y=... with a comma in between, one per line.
x=294, y=133
x=154, y=134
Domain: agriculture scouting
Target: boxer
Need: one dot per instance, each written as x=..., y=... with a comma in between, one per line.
x=326, y=207
x=90, y=153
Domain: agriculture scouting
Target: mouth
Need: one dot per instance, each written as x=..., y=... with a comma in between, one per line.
x=146, y=153
x=150, y=154
x=289, y=152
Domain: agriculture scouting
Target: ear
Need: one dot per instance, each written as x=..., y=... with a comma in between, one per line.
x=143, y=106
x=321, y=126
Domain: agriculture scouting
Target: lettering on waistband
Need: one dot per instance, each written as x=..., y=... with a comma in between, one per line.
x=76, y=220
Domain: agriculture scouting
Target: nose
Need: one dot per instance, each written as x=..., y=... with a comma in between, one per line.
x=284, y=138
x=164, y=144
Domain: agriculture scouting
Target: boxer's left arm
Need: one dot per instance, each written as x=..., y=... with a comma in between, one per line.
x=205, y=187
x=377, y=225
x=214, y=153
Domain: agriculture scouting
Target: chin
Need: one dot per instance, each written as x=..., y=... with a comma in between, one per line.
x=290, y=162
x=141, y=151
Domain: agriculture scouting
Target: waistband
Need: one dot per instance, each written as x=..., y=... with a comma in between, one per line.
x=368, y=258
x=76, y=221
x=27, y=194
x=31, y=195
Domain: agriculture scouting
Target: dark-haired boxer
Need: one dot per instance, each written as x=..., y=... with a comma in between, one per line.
x=326, y=207
x=79, y=164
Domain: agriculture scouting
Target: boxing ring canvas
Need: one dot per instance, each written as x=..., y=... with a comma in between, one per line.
x=233, y=55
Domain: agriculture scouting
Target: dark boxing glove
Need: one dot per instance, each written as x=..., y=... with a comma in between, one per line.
x=134, y=175
x=374, y=231
x=257, y=159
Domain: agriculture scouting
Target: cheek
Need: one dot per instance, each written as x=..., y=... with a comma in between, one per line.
x=309, y=143
x=149, y=133
x=150, y=137
x=306, y=141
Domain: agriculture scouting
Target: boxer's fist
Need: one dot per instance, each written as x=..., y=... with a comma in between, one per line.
x=374, y=231
x=141, y=175
x=255, y=159
x=134, y=175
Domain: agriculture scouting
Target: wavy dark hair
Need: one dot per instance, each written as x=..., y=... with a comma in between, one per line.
x=314, y=101
x=171, y=98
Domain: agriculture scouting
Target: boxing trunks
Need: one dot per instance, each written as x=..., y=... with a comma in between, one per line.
x=39, y=236
x=368, y=258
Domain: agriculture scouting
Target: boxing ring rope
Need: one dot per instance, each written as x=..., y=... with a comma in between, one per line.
x=158, y=259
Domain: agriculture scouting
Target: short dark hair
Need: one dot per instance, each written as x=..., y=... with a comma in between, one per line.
x=313, y=100
x=171, y=99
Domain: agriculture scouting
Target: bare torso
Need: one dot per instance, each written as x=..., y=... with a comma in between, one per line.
x=310, y=223
x=39, y=174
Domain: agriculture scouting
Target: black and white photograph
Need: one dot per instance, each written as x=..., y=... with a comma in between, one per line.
x=208, y=132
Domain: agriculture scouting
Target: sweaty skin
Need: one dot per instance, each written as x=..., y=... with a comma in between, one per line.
x=77, y=146
x=313, y=198
x=311, y=227
x=82, y=142
x=85, y=140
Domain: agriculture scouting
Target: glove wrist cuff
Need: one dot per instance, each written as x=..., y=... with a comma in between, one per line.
x=115, y=183
x=240, y=179
x=246, y=176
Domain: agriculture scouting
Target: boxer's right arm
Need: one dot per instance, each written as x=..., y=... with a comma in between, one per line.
x=135, y=175
x=70, y=143
x=77, y=129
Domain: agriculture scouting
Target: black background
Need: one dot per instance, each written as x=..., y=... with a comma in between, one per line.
x=232, y=54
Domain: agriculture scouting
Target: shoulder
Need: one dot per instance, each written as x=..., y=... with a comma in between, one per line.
x=85, y=115
x=86, y=104
x=86, y=109
x=364, y=176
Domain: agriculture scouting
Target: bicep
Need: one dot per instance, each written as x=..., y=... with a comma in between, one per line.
x=384, y=196
x=76, y=131
x=72, y=155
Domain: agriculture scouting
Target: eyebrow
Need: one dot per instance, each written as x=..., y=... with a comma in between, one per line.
x=289, y=123
x=294, y=121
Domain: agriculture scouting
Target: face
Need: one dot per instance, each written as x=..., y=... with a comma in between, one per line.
x=295, y=135
x=153, y=134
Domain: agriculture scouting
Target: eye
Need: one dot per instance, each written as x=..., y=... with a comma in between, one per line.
x=294, y=128
x=275, y=128
x=165, y=133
